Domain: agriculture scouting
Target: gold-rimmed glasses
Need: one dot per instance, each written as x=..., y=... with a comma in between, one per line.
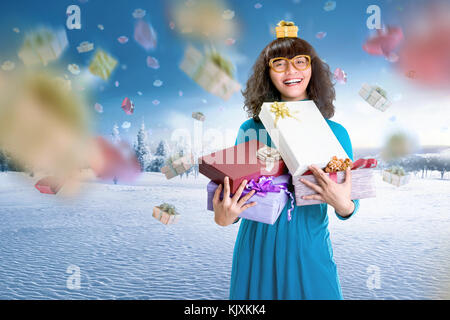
x=300, y=62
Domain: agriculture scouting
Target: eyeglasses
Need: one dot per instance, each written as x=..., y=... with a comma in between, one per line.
x=281, y=64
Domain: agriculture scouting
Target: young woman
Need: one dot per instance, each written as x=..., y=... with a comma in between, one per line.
x=289, y=259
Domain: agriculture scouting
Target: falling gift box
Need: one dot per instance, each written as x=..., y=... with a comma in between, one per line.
x=375, y=96
x=102, y=65
x=198, y=116
x=43, y=46
x=177, y=165
x=166, y=213
x=49, y=185
x=363, y=182
x=396, y=176
x=212, y=72
x=238, y=163
x=301, y=134
x=128, y=106
x=85, y=46
x=271, y=195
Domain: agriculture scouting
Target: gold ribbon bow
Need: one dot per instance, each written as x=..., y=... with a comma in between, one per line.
x=281, y=110
x=283, y=23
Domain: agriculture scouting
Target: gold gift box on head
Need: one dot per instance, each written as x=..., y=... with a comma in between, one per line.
x=286, y=29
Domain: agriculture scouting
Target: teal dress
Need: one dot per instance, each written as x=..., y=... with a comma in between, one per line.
x=289, y=260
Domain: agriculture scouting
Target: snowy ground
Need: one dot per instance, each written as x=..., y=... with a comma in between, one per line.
x=400, y=238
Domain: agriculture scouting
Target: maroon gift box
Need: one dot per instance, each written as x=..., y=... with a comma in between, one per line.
x=239, y=163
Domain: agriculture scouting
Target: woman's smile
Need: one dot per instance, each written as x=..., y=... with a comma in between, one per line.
x=291, y=82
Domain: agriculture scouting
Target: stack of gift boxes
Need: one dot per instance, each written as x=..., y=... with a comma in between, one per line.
x=272, y=172
x=249, y=161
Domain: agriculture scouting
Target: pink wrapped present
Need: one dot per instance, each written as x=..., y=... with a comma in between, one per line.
x=363, y=182
x=176, y=166
x=49, y=185
x=128, y=106
x=165, y=217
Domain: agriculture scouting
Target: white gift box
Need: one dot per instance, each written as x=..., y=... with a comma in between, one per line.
x=373, y=97
x=395, y=179
x=303, y=142
x=85, y=46
x=50, y=49
x=192, y=61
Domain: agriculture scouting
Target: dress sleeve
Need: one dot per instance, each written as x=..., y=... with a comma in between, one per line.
x=344, y=139
x=241, y=137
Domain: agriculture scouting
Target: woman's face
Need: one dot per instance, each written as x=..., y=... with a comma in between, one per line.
x=291, y=83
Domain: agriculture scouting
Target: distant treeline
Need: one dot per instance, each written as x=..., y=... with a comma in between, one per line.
x=414, y=163
x=8, y=164
x=423, y=164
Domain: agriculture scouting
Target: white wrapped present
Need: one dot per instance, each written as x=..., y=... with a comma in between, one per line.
x=375, y=96
x=300, y=134
x=203, y=70
x=85, y=46
x=198, y=116
x=177, y=165
x=396, y=177
x=43, y=46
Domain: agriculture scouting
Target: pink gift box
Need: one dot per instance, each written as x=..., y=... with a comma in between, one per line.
x=363, y=182
x=164, y=217
x=128, y=106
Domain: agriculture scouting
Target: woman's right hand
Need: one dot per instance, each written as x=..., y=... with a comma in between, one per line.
x=228, y=210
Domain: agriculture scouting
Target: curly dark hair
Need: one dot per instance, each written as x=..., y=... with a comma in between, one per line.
x=260, y=88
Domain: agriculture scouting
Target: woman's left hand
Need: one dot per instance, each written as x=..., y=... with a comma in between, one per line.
x=335, y=194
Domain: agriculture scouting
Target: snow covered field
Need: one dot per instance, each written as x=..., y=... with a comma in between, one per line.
x=402, y=238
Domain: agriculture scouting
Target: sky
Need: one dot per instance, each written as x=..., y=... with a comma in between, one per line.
x=421, y=112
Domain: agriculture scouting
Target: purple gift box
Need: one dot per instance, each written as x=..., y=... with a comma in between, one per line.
x=271, y=196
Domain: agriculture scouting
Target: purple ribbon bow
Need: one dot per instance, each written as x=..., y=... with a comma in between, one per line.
x=264, y=185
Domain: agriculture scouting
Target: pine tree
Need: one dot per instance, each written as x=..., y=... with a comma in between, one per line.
x=156, y=164
x=115, y=135
x=3, y=162
x=161, y=149
x=141, y=148
x=159, y=158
